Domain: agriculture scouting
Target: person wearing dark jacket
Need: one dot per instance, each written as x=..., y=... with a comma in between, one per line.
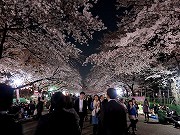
x=81, y=108
x=8, y=125
x=39, y=107
x=113, y=116
x=58, y=120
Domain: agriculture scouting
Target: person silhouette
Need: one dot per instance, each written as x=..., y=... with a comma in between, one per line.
x=58, y=120
x=8, y=125
x=113, y=116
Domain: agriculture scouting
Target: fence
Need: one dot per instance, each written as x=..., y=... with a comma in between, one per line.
x=162, y=101
x=166, y=101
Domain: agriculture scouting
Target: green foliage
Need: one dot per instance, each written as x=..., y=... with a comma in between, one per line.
x=171, y=107
x=151, y=105
x=174, y=107
x=161, y=116
x=162, y=113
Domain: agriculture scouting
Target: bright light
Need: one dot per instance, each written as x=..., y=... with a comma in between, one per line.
x=64, y=92
x=77, y=94
x=51, y=89
x=119, y=91
x=17, y=82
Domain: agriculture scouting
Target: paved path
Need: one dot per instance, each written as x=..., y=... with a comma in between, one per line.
x=154, y=128
x=151, y=128
x=29, y=127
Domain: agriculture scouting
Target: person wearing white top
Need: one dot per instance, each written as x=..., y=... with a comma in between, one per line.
x=80, y=105
x=95, y=107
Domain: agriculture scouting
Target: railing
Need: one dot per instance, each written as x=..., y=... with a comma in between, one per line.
x=162, y=101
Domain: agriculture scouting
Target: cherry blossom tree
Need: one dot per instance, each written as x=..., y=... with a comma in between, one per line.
x=25, y=21
x=141, y=43
x=148, y=30
x=37, y=41
x=32, y=70
x=37, y=38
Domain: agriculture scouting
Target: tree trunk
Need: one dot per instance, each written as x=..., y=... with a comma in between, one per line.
x=178, y=65
x=3, y=40
x=127, y=93
x=175, y=92
x=131, y=87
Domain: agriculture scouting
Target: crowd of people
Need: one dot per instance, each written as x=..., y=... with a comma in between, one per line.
x=67, y=114
x=25, y=110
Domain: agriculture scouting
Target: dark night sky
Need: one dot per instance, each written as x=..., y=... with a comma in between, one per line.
x=106, y=10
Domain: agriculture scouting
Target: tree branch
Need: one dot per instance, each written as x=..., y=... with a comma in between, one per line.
x=26, y=46
x=55, y=71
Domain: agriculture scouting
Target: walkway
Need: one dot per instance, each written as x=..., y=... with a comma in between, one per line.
x=151, y=128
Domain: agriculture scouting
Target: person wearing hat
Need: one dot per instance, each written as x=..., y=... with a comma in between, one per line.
x=8, y=125
x=113, y=116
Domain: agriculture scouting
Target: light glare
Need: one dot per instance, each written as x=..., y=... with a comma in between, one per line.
x=17, y=82
x=119, y=91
